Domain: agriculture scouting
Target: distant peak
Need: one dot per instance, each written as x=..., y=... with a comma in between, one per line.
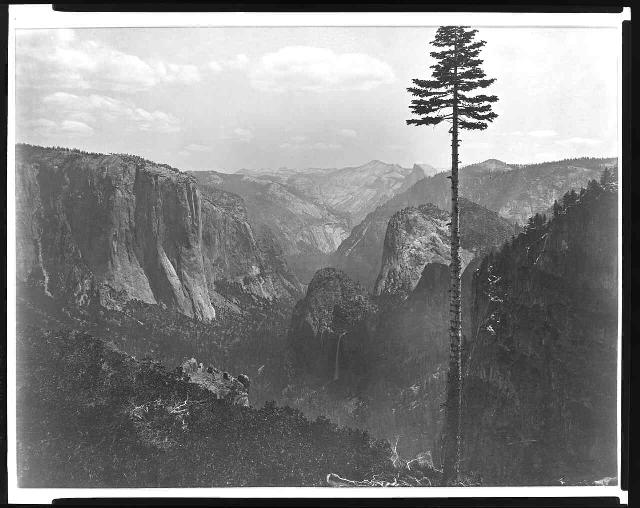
x=494, y=162
x=376, y=162
x=427, y=169
x=487, y=166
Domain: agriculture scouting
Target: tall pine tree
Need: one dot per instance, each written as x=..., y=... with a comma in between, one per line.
x=451, y=96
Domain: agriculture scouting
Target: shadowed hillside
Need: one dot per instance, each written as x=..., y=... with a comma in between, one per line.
x=540, y=384
x=91, y=416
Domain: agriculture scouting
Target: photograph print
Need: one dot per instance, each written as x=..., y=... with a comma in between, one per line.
x=368, y=255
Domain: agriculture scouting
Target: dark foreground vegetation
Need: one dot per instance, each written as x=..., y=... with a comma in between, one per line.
x=91, y=416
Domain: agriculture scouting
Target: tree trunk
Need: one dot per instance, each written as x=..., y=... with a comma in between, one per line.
x=453, y=429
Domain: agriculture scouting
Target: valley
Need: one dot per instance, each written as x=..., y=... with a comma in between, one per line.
x=326, y=292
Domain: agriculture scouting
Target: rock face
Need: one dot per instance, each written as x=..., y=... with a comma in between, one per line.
x=540, y=388
x=311, y=211
x=412, y=336
x=418, y=236
x=427, y=169
x=222, y=384
x=414, y=237
x=106, y=229
x=306, y=230
x=330, y=329
x=514, y=192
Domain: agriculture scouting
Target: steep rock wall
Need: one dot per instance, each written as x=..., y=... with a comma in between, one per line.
x=417, y=236
x=111, y=228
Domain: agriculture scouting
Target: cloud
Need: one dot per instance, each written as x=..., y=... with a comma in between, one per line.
x=579, y=141
x=176, y=73
x=244, y=135
x=318, y=70
x=56, y=58
x=102, y=108
x=48, y=128
x=298, y=143
x=347, y=133
x=74, y=127
x=215, y=66
x=326, y=146
x=543, y=133
x=239, y=62
x=194, y=147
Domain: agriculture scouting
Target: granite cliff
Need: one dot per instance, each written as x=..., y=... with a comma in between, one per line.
x=114, y=228
x=417, y=236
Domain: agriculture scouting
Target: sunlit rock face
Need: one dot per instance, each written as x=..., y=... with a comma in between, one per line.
x=398, y=249
x=540, y=388
x=105, y=229
x=415, y=237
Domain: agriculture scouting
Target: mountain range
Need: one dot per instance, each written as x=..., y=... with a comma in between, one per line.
x=514, y=192
x=306, y=230
x=353, y=191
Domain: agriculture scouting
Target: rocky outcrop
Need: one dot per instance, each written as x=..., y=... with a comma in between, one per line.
x=330, y=329
x=419, y=236
x=413, y=237
x=540, y=383
x=106, y=229
x=222, y=384
x=514, y=192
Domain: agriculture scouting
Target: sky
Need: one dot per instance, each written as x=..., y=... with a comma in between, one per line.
x=232, y=98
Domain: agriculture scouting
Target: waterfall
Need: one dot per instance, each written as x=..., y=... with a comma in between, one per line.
x=336, y=370
x=44, y=270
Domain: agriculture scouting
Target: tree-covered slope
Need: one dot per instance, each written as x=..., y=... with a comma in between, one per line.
x=91, y=416
x=540, y=384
